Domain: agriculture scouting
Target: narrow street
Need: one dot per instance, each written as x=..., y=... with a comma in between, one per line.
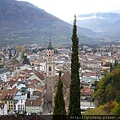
x=47, y=108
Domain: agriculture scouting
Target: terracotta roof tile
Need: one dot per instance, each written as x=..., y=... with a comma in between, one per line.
x=33, y=102
x=40, y=88
x=87, y=92
x=38, y=93
x=8, y=94
x=11, y=83
x=31, y=86
x=66, y=78
x=39, y=75
x=35, y=81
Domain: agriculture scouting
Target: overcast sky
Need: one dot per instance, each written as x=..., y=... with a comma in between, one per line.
x=65, y=9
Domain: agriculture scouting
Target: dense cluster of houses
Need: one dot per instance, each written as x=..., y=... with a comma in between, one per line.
x=21, y=91
x=23, y=87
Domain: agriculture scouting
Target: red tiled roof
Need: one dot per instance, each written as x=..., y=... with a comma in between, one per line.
x=87, y=92
x=39, y=75
x=31, y=86
x=3, y=93
x=40, y=88
x=35, y=81
x=8, y=94
x=11, y=83
x=33, y=103
x=88, y=74
x=66, y=78
x=38, y=93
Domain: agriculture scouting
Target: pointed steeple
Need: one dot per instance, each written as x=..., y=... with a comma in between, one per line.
x=50, y=45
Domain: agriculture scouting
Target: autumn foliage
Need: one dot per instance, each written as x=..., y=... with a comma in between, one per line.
x=107, y=93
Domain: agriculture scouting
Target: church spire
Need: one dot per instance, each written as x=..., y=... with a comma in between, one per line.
x=50, y=45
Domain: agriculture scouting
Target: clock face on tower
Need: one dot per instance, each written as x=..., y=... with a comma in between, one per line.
x=49, y=59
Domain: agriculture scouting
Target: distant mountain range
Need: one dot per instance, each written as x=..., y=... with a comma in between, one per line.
x=98, y=22
x=105, y=24
x=22, y=22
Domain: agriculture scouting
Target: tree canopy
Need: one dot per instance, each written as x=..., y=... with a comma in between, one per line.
x=108, y=88
x=74, y=105
x=26, y=60
x=59, y=103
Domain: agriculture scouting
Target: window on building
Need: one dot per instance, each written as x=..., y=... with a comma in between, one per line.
x=50, y=69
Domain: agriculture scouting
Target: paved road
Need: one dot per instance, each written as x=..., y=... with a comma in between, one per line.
x=47, y=108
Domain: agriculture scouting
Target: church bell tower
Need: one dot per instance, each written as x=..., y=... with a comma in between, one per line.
x=50, y=73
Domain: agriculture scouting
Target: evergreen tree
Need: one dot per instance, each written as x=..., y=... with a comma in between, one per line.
x=116, y=63
x=59, y=108
x=10, y=54
x=111, y=67
x=28, y=95
x=26, y=60
x=74, y=105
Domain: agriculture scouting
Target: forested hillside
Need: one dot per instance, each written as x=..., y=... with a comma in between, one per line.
x=107, y=94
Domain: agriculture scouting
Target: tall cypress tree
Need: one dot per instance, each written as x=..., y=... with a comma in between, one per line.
x=59, y=108
x=74, y=105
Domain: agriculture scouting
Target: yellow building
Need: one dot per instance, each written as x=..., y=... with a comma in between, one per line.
x=6, y=96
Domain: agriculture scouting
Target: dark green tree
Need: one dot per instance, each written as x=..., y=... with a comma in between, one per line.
x=111, y=67
x=26, y=60
x=59, y=108
x=74, y=105
x=28, y=95
x=108, y=88
x=116, y=63
x=10, y=54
